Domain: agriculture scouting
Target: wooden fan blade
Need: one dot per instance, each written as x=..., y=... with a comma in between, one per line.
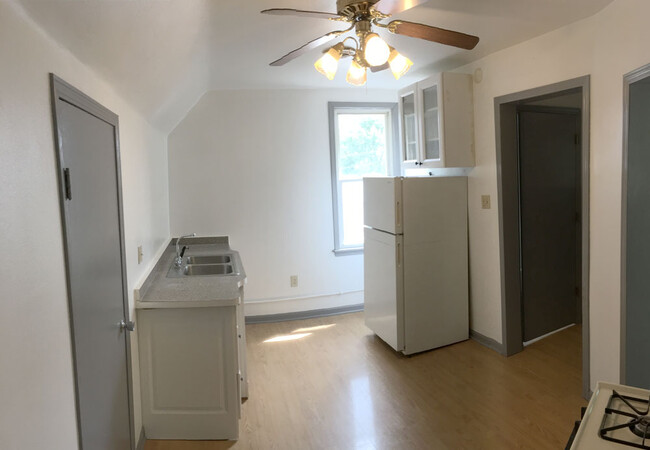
x=300, y=13
x=420, y=31
x=379, y=68
x=396, y=6
x=309, y=46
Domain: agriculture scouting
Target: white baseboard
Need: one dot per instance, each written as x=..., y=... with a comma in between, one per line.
x=265, y=307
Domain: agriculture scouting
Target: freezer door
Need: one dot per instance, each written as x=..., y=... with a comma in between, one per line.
x=384, y=287
x=382, y=204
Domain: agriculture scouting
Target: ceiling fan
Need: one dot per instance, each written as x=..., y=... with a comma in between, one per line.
x=370, y=51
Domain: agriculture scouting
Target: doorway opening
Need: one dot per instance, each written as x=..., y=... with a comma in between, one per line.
x=543, y=187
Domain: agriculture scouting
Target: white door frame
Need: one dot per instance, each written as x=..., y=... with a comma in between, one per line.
x=505, y=123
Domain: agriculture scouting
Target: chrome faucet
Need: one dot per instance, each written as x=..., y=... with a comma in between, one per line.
x=178, y=261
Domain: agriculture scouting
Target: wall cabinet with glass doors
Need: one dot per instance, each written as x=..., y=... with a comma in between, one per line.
x=437, y=122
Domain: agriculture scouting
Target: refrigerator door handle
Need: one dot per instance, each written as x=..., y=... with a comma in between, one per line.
x=398, y=254
x=398, y=214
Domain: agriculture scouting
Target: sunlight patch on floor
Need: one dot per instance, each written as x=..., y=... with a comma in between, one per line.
x=288, y=337
x=319, y=327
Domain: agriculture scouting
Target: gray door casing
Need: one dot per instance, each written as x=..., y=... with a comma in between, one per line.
x=635, y=231
x=505, y=114
x=549, y=208
x=87, y=146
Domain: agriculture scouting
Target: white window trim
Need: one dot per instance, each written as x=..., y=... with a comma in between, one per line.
x=394, y=163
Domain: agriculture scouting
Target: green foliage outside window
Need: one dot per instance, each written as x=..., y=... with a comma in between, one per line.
x=362, y=145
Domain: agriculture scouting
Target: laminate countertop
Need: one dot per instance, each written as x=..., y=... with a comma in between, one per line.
x=162, y=291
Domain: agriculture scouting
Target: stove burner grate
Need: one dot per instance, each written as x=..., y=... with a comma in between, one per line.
x=639, y=423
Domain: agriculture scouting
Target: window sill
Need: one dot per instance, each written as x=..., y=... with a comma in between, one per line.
x=348, y=251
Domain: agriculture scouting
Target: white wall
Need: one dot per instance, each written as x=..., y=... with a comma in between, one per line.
x=255, y=165
x=605, y=46
x=36, y=374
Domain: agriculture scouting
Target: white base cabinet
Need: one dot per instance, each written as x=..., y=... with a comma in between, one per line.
x=190, y=362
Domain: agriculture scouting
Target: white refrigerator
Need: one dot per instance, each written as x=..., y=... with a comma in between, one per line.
x=416, y=261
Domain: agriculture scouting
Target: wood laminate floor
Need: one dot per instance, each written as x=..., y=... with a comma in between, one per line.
x=341, y=387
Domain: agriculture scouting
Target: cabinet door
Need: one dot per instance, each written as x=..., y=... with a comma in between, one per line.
x=430, y=112
x=188, y=373
x=431, y=130
x=408, y=107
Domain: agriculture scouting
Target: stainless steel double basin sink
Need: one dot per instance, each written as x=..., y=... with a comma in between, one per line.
x=204, y=265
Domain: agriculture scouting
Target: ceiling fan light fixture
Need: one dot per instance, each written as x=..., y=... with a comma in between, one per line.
x=399, y=64
x=329, y=62
x=356, y=74
x=376, y=51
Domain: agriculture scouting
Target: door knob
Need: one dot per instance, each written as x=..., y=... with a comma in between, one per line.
x=128, y=325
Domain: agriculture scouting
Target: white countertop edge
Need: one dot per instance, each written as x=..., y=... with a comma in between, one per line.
x=188, y=304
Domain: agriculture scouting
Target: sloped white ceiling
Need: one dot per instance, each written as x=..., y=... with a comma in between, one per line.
x=162, y=55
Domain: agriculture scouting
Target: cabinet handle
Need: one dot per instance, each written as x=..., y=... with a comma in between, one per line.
x=398, y=214
x=66, y=183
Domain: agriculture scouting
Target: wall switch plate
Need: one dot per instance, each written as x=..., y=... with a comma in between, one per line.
x=294, y=280
x=140, y=254
x=485, y=202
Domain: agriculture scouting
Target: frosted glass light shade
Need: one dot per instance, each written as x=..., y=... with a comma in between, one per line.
x=329, y=62
x=399, y=64
x=376, y=51
x=356, y=74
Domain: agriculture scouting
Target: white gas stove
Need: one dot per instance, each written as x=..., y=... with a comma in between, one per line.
x=617, y=417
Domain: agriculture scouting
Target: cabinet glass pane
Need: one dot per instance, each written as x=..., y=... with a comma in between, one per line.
x=431, y=127
x=432, y=149
x=410, y=134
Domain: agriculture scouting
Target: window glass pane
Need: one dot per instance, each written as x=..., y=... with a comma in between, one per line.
x=362, y=148
x=362, y=145
x=352, y=209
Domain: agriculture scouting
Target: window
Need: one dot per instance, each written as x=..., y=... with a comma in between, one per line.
x=362, y=139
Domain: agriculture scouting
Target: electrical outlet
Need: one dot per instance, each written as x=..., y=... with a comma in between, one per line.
x=485, y=202
x=140, y=254
x=294, y=280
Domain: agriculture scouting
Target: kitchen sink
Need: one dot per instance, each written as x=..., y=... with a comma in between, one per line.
x=220, y=264
x=210, y=259
x=208, y=269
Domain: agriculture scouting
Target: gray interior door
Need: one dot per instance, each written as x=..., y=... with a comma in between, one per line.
x=89, y=163
x=548, y=167
x=637, y=245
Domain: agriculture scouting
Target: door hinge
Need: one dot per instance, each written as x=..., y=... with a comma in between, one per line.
x=577, y=139
x=66, y=183
x=577, y=291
